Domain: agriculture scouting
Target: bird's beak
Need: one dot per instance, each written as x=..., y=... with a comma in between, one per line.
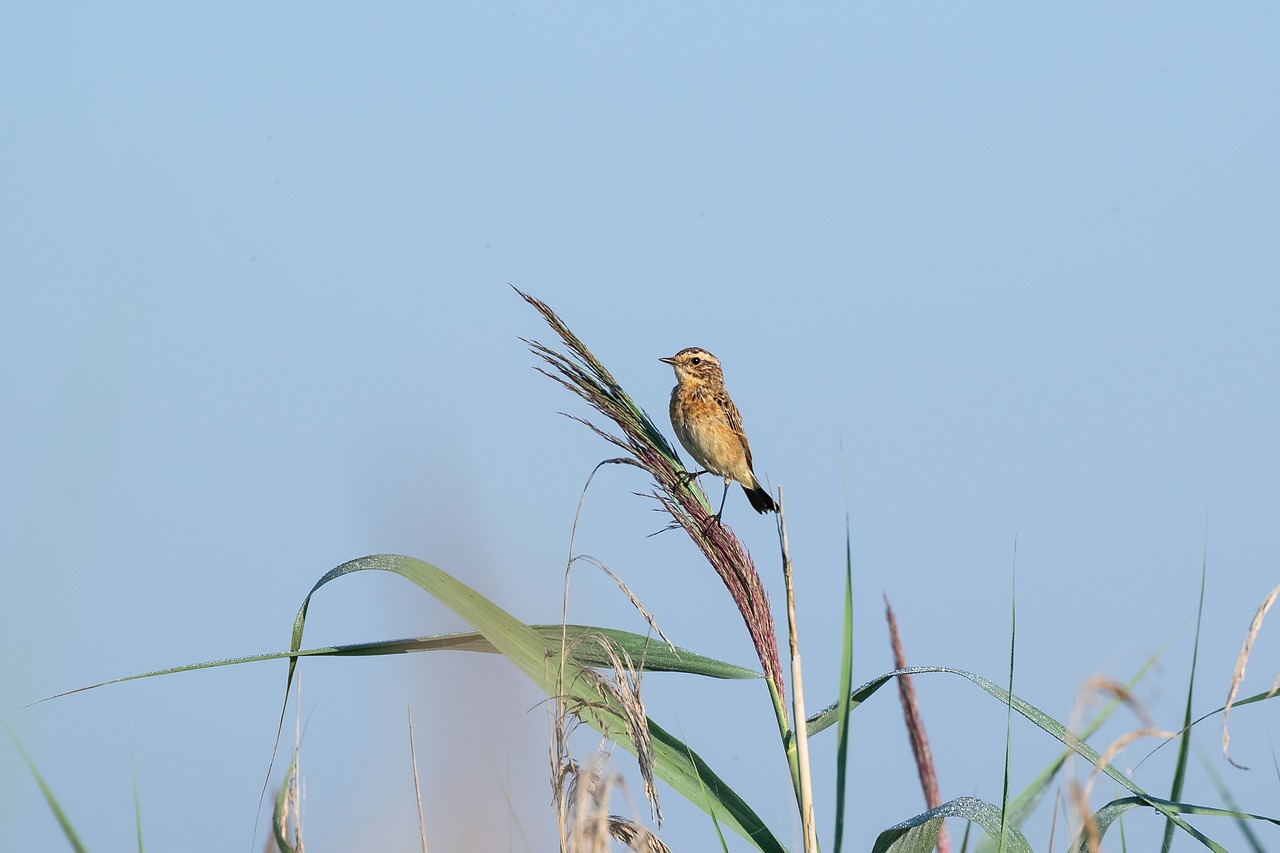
x=670, y=361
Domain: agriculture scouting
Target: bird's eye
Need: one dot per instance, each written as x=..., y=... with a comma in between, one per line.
x=696, y=360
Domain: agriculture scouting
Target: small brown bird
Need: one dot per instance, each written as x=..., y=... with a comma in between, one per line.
x=709, y=426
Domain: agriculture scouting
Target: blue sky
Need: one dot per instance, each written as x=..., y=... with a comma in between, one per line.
x=1007, y=274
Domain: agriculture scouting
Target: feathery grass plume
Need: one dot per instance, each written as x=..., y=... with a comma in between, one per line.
x=1237, y=676
x=925, y=767
x=590, y=787
x=635, y=836
x=631, y=597
x=590, y=828
x=624, y=687
x=568, y=775
x=582, y=373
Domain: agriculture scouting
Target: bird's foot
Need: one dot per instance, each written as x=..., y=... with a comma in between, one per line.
x=687, y=477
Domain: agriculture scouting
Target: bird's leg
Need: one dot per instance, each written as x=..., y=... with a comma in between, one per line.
x=723, y=498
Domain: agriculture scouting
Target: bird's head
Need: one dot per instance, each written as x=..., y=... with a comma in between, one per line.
x=694, y=364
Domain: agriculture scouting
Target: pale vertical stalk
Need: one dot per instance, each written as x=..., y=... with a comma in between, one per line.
x=801, y=730
x=417, y=788
x=296, y=783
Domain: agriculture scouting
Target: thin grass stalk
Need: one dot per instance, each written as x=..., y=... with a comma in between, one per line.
x=804, y=790
x=1008, y=724
x=1184, y=739
x=64, y=823
x=582, y=373
x=417, y=787
x=1053, y=824
x=625, y=687
x=137, y=799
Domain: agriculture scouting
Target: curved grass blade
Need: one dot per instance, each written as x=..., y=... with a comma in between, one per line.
x=647, y=655
x=846, y=686
x=827, y=716
x=1250, y=836
x=1107, y=815
x=920, y=833
x=1021, y=807
x=538, y=658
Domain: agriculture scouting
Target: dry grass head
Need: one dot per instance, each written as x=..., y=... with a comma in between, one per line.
x=1242, y=660
x=635, y=836
x=1078, y=795
x=589, y=826
x=581, y=820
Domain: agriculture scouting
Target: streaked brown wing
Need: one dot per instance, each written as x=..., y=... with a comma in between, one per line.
x=735, y=420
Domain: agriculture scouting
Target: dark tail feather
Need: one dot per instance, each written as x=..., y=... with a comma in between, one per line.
x=760, y=499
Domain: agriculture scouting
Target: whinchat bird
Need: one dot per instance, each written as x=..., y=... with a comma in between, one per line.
x=709, y=426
